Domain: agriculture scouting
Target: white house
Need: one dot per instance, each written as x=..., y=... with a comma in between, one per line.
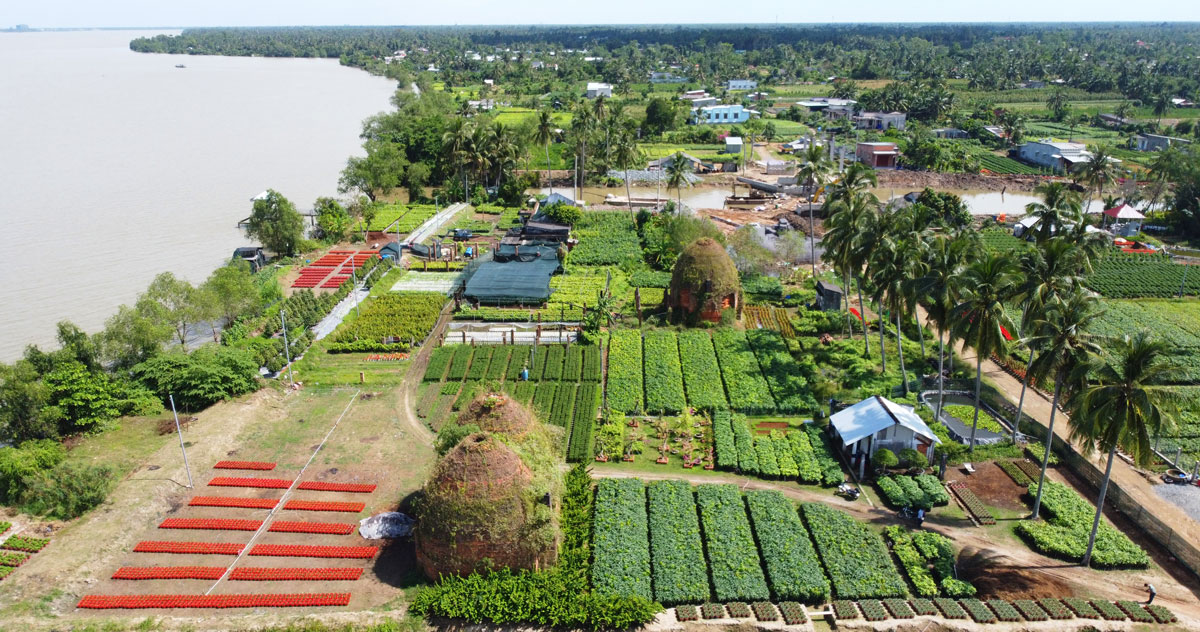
x=733, y=144
x=666, y=77
x=880, y=120
x=595, y=89
x=1052, y=155
x=718, y=114
x=742, y=84
x=876, y=423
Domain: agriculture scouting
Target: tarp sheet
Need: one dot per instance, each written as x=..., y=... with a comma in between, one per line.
x=516, y=276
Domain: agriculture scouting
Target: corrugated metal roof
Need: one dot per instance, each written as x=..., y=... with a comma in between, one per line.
x=874, y=414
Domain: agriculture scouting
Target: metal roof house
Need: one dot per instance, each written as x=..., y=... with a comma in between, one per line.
x=877, y=422
x=596, y=89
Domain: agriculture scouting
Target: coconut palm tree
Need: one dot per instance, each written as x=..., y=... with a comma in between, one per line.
x=1059, y=206
x=542, y=135
x=1064, y=341
x=1097, y=172
x=1047, y=272
x=455, y=142
x=979, y=318
x=857, y=178
x=852, y=222
x=945, y=259
x=896, y=252
x=627, y=153
x=1122, y=405
x=583, y=122
x=815, y=171
x=677, y=177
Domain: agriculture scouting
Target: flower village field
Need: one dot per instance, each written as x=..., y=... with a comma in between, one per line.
x=710, y=484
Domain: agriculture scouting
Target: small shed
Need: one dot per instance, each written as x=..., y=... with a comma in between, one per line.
x=829, y=297
x=733, y=145
x=391, y=249
x=877, y=422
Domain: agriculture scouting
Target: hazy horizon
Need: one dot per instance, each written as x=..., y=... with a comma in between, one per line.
x=52, y=14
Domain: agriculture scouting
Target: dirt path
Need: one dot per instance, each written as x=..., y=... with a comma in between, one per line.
x=406, y=395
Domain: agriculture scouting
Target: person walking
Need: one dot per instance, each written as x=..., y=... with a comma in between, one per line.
x=1153, y=593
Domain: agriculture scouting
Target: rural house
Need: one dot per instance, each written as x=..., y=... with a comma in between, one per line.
x=878, y=155
x=880, y=120
x=1155, y=142
x=742, y=84
x=595, y=89
x=876, y=423
x=718, y=114
x=1052, y=155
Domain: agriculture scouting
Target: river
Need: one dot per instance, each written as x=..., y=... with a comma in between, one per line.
x=117, y=165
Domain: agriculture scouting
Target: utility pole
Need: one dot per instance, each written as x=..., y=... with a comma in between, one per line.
x=287, y=353
x=181, y=446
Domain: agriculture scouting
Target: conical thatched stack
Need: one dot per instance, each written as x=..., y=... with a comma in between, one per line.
x=488, y=501
x=704, y=283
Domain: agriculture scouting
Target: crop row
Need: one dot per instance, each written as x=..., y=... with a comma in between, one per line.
x=237, y=574
x=793, y=569
x=974, y=506
x=587, y=402
x=244, y=465
x=788, y=386
x=233, y=502
x=663, y=373
x=1001, y=610
x=733, y=557
x=928, y=560
x=625, y=371
x=679, y=572
x=128, y=602
x=701, y=375
x=854, y=556
x=25, y=543
x=322, y=486
x=13, y=559
x=258, y=483
x=723, y=440
x=308, y=550
x=318, y=505
x=564, y=404
x=748, y=390
x=605, y=238
x=1064, y=534
x=621, y=546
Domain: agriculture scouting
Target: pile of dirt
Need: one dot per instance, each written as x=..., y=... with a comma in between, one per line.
x=998, y=576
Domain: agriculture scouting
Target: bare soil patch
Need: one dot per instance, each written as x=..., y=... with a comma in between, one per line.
x=995, y=488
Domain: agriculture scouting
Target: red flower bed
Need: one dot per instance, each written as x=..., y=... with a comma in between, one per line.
x=130, y=602
x=198, y=548
x=317, y=505
x=328, y=528
x=336, y=487
x=244, y=465
x=169, y=572
x=233, y=501
x=295, y=574
x=210, y=524
x=306, y=550
x=263, y=483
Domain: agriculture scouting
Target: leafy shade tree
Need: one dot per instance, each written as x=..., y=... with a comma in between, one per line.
x=230, y=292
x=332, y=218
x=377, y=173
x=749, y=252
x=980, y=320
x=133, y=334
x=1122, y=405
x=276, y=224
x=173, y=302
x=662, y=114
x=1059, y=207
x=197, y=380
x=1065, y=343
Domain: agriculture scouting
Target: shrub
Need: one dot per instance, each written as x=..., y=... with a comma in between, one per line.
x=22, y=463
x=911, y=458
x=200, y=379
x=884, y=458
x=67, y=491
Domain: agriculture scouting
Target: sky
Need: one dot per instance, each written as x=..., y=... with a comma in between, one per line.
x=159, y=13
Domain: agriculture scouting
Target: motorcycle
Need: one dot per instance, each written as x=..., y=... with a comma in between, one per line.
x=916, y=516
x=848, y=491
